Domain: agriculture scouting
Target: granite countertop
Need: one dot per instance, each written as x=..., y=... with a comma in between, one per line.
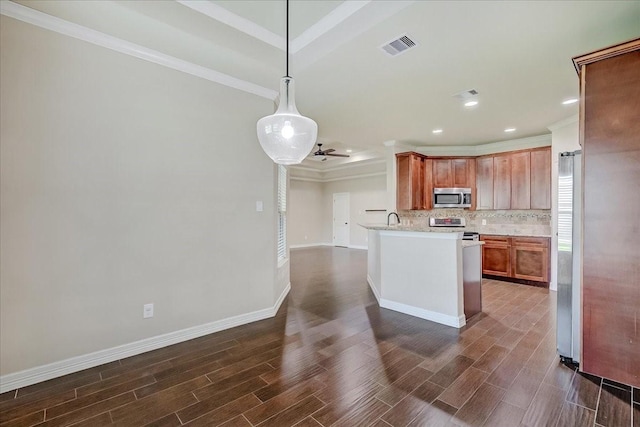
x=401, y=227
x=469, y=243
x=510, y=234
x=427, y=229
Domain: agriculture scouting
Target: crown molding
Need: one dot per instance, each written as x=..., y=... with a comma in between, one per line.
x=244, y=25
x=51, y=23
x=562, y=123
x=489, y=148
x=301, y=178
x=353, y=165
x=327, y=23
x=323, y=26
x=340, y=178
x=514, y=144
x=363, y=163
x=355, y=176
x=303, y=168
x=362, y=19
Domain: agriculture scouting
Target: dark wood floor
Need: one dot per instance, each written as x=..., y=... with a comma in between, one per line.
x=332, y=357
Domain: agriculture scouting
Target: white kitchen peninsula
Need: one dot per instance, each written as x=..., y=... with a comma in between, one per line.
x=425, y=273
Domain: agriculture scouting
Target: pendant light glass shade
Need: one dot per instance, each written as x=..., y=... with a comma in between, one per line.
x=286, y=136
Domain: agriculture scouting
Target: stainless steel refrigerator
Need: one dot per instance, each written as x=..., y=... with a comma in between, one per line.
x=569, y=255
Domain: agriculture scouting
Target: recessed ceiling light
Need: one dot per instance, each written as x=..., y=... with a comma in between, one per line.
x=510, y=130
x=570, y=101
x=437, y=131
x=348, y=151
x=470, y=103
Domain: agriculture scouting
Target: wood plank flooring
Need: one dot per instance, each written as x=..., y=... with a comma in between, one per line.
x=332, y=357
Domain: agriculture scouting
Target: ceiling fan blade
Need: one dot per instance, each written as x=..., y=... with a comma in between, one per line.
x=337, y=155
x=329, y=150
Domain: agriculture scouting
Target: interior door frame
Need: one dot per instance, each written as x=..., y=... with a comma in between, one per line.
x=348, y=203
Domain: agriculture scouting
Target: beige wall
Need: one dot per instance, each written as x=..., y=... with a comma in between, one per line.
x=123, y=183
x=305, y=216
x=364, y=193
x=311, y=209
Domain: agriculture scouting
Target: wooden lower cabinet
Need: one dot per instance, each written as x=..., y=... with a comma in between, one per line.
x=530, y=258
x=524, y=258
x=496, y=256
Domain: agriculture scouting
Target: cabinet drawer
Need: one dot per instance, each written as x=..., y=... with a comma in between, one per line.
x=542, y=242
x=493, y=240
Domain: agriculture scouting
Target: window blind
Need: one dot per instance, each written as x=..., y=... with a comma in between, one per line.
x=282, y=213
x=565, y=212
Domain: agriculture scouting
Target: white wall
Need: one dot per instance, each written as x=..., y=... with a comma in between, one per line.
x=123, y=183
x=311, y=209
x=364, y=193
x=564, y=137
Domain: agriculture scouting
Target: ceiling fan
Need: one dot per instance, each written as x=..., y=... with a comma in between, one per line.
x=327, y=152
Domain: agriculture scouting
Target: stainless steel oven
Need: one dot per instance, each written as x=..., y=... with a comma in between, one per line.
x=451, y=197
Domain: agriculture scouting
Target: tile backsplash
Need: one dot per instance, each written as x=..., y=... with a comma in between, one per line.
x=521, y=222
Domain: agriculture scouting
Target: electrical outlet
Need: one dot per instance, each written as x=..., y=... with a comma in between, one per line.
x=484, y=222
x=147, y=311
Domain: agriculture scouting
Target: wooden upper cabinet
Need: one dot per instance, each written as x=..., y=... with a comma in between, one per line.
x=521, y=180
x=502, y=182
x=541, y=178
x=484, y=183
x=410, y=181
x=452, y=173
x=513, y=180
x=428, y=184
x=463, y=173
x=442, y=173
x=417, y=182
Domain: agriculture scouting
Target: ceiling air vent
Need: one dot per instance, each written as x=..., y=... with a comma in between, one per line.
x=398, y=45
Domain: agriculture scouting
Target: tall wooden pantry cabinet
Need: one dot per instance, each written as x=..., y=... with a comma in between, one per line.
x=610, y=138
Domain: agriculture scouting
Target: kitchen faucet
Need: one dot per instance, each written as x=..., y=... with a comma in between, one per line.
x=389, y=217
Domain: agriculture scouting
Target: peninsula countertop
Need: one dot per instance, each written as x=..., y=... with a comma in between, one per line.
x=428, y=229
x=427, y=272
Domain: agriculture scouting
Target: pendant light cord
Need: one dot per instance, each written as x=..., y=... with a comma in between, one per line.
x=287, y=39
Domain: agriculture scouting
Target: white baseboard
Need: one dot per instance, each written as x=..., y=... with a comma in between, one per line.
x=373, y=288
x=313, y=245
x=309, y=245
x=456, y=322
x=57, y=369
x=280, y=299
x=358, y=247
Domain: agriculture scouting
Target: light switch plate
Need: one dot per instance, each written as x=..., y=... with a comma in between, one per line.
x=147, y=311
x=259, y=206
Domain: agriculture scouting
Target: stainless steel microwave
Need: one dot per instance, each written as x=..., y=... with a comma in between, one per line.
x=451, y=197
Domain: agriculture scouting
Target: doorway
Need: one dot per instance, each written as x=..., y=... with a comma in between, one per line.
x=341, y=219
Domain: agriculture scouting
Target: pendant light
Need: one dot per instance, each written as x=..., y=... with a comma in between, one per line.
x=286, y=136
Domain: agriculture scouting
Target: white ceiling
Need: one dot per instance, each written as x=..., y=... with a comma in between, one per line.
x=516, y=54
